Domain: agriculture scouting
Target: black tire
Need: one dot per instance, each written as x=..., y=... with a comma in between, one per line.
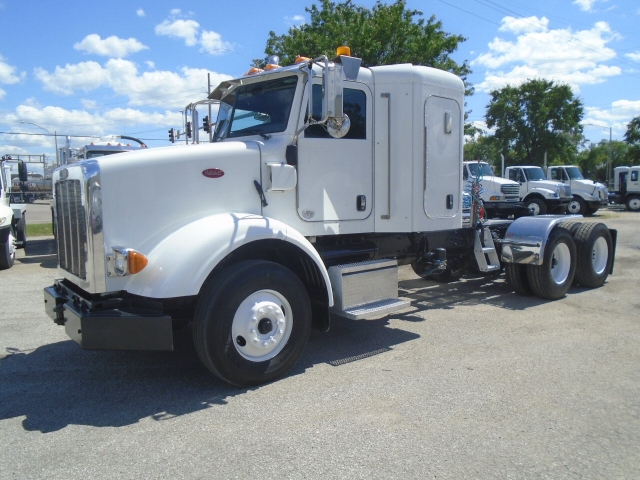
x=594, y=248
x=516, y=275
x=633, y=203
x=21, y=232
x=452, y=273
x=7, y=250
x=554, y=277
x=577, y=206
x=235, y=345
x=538, y=206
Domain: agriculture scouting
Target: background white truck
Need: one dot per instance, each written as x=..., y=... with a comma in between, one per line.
x=626, y=187
x=539, y=194
x=500, y=196
x=12, y=216
x=321, y=178
x=587, y=196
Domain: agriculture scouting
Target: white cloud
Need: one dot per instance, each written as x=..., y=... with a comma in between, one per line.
x=66, y=80
x=140, y=12
x=8, y=73
x=617, y=117
x=585, y=5
x=296, y=20
x=185, y=29
x=635, y=56
x=576, y=58
x=212, y=43
x=150, y=64
x=109, y=47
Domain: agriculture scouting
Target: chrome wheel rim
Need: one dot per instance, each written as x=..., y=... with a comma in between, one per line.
x=600, y=255
x=560, y=263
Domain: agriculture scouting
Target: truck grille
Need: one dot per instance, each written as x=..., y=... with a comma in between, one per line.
x=511, y=190
x=71, y=228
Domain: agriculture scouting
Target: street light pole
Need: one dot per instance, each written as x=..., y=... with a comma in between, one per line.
x=55, y=136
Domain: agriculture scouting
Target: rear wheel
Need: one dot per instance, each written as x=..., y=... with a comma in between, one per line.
x=7, y=250
x=252, y=322
x=516, y=274
x=594, y=254
x=537, y=206
x=553, y=278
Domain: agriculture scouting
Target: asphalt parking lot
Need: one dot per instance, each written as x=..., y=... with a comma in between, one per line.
x=472, y=382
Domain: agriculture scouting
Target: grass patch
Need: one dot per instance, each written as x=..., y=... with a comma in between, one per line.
x=39, y=229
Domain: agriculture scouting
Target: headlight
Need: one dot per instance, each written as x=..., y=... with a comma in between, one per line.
x=496, y=198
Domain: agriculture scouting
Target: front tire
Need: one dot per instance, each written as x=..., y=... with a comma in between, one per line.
x=577, y=206
x=594, y=254
x=21, y=232
x=537, y=206
x=7, y=251
x=633, y=204
x=252, y=322
x=554, y=277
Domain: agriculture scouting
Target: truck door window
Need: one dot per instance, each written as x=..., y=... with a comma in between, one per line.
x=634, y=176
x=355, y=106
x=256, y=109
x=515, y=174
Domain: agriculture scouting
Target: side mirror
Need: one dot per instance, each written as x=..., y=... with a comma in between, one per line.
x=22, y=171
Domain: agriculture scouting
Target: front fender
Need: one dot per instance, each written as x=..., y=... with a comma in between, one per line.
x=181, y=262
x=544, y=192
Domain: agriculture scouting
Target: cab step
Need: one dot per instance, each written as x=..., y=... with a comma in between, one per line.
x=485, y=251
x=366, y=289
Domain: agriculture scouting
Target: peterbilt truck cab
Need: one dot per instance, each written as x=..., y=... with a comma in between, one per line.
x=539, y=194
x=587, y=196
x=322, y=178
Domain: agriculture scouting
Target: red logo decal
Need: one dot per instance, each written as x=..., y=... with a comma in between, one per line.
x=213, y=173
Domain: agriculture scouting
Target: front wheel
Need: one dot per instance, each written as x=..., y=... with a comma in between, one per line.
x=252, y=322
x=633, y=204
x=553, y=278
x=577, y=206
x=537, y=206
x=7, y=251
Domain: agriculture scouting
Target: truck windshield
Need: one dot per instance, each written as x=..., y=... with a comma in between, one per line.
x=256, y=109
x=534, y=173
x=485, y=169
x=574, y=173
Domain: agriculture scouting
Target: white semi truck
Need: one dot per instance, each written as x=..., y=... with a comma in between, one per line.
x=539, y=194
x=500, y=196
x=321, y=179
x=12, y=216
x=626, y=187
x=587, y=196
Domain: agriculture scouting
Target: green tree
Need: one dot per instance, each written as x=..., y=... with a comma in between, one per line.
x=481, y=147
x=632, y=138
x=594, y=160
x=384, y=35
x=536, y=117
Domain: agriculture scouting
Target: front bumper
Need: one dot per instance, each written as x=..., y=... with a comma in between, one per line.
x=107, y=321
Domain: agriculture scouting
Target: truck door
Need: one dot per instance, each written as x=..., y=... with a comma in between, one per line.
x=335, y=175
x=442, y=195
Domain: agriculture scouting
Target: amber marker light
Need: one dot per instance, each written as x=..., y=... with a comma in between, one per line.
x=136, y=261
x=343, y=50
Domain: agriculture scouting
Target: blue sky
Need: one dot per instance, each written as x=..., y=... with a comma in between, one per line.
x=129, y=67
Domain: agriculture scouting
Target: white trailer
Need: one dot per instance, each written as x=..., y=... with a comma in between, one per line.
x=12, y=216
x=587, y=196
x=321, y=179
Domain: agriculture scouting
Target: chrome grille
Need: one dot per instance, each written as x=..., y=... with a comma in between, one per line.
x=511, y=190
x=71, y=228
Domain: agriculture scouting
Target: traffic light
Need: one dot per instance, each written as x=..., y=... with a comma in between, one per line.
x=172, y=135
x=188, y=129
x=206, y=126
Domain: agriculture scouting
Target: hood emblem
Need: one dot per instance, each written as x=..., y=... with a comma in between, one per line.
x=213, y=173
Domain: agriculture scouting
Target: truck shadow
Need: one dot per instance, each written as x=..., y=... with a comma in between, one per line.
x=60, y=384
x=40, y=250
